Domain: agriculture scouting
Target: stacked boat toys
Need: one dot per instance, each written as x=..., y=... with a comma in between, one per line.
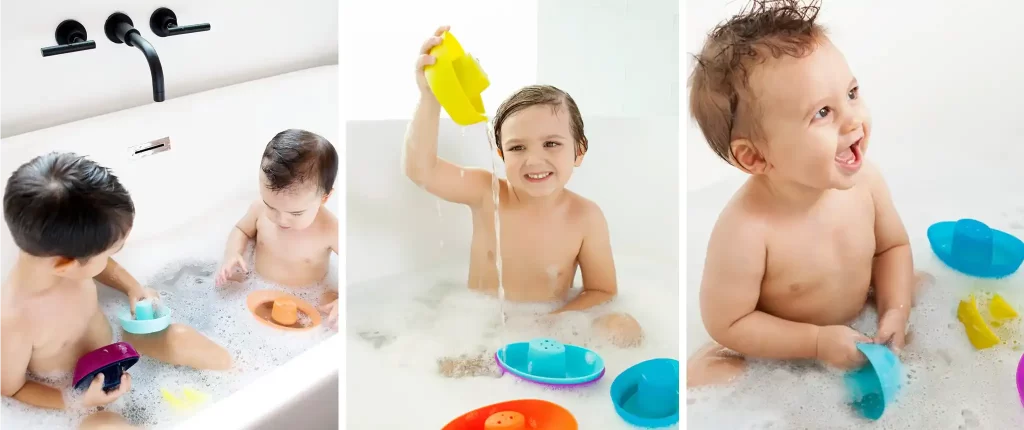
x=516, y=415
x=111, y=361
x=548, y=362
x=972, y=248
x=282, y=311
x=149, y=318
x=647, y=394
x=456, y=79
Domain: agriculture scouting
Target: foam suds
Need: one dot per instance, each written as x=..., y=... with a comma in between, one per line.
x=948, y=384
x=187, y=288
x=433, y=338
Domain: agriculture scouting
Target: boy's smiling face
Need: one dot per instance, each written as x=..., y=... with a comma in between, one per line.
x=812, y=117
x=539, y=150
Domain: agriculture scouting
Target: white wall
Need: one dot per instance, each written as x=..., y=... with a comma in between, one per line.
x=249, y=39
x=617, y=58
x=383, y=52
x=950, y=89
x=631, y=121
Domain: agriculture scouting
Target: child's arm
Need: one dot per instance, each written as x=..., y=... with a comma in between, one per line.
x=419, y=157
x=15, y=353
x=596, y=263
x=731, y=287
x=332, y=231
x=116, y=277
x=244, y=230
x=893, y=269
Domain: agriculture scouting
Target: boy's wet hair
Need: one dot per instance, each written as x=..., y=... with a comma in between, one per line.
x=720, y=98
x=547, y=95
x=65, y=205
x=295, y=157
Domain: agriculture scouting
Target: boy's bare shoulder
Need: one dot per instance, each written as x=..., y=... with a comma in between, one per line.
x=583, y=208
x=11, y=312
x=743, y=217
x=326, y=220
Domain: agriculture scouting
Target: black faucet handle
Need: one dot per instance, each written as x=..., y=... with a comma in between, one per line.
x=164, y=23
x=71, y=37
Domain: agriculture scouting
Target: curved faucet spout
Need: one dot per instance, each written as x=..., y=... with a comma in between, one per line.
x=133, y=38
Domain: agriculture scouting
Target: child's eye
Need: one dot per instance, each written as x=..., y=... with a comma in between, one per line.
x=515, y=148
x=823, y=112
x=551, y=144
x=297, y=213
x=854, y=93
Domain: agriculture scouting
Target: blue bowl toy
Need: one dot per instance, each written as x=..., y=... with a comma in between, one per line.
x=549, y=362
x=147, y=319
x=647, y=394
x=971, y=247
x=875, y=385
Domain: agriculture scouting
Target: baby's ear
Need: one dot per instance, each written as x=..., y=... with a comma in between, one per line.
x=580, y=152
x=327, y=196
x=62, y=265
x=747, y=157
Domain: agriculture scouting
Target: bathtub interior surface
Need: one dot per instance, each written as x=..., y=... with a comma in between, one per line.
x=182, y=221
x=949, y=384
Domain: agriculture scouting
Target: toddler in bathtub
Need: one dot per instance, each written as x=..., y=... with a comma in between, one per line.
x=294, y=233
x=68, y=216
x=794, y=254
x=547, y=231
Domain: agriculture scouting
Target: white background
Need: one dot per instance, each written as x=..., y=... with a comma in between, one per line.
x=249, y=39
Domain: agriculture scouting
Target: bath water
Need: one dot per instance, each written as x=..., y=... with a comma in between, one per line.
x=496, y=195
x=395, y=340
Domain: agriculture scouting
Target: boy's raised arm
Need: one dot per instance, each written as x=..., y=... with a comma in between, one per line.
x=419, y=156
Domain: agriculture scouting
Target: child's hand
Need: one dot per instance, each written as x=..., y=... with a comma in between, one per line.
x=142, y=293
x=95, y=396
x=331, y=309
x=425, y=59
x=892, y=329
x=227, y=270
x=837, y=347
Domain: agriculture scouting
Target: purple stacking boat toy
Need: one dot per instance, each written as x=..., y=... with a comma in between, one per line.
x=111, y=360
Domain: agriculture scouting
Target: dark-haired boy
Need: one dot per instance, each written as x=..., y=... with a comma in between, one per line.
x=68, y=216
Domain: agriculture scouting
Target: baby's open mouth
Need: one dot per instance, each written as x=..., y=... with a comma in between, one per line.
x=850, y=157
x=537, y=177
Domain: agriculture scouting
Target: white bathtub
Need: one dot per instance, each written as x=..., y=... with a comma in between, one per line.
x=187, y=200
x=401, y=241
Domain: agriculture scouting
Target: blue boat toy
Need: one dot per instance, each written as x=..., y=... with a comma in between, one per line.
x=647, y=394
x=549, y=362
x=875, y=385
x=147, y=319
x=971, y=247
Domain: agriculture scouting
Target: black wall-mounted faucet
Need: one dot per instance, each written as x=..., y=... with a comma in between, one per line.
x=71, y=37
x=164, y=23
x=120, y=29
